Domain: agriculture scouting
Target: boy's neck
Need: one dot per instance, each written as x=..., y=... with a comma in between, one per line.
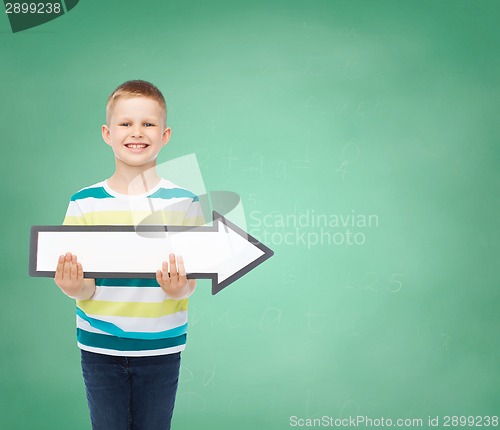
x=133, y=180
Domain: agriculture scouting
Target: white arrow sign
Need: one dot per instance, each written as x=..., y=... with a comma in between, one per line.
x=223, y=252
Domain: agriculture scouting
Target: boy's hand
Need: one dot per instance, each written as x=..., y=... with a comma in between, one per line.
x=69, y=278
x=174, y=281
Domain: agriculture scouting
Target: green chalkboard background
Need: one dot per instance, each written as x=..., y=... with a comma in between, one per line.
x=363, y=139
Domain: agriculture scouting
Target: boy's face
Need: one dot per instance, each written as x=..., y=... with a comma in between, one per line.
x=136, y=131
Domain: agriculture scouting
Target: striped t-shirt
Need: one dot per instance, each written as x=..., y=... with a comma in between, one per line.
x=132, y=317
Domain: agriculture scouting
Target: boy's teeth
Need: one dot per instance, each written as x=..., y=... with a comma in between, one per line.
x=136, y=146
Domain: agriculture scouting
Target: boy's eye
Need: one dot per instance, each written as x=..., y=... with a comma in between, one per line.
x=128, y=124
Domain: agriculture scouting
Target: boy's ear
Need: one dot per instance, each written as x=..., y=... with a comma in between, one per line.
x=105, y=134
x=166, y=136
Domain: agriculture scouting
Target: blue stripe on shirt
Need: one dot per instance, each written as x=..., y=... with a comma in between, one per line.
x=170, y=193
x=126, y=282
x=95, y=192
x=114, y=330
x=103, y=341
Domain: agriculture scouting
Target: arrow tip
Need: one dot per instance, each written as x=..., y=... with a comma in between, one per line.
x=265, y=253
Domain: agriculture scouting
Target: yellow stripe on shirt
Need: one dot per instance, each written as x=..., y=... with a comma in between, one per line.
x=136, y=218
x=133, y=309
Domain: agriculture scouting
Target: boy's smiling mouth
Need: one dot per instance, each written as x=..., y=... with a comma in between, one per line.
x=136, y=147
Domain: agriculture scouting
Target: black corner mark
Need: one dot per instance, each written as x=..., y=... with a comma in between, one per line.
x=28, y=14
x=70, y=4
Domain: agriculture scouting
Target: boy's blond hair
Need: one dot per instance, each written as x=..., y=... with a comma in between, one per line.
x=135, y=88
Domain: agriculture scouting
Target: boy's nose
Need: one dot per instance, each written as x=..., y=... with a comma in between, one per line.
x=137, y=132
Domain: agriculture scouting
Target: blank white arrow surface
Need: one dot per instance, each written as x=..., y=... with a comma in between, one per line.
x=222, y=252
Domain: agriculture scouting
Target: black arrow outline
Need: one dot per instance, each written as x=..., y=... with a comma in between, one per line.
x=216, y=286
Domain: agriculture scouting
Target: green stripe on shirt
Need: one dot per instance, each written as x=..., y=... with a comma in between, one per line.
x=96, y=193
x=126, y=282
x=97, y=340
x=171, y=193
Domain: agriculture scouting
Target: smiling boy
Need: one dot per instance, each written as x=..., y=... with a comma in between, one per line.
x=131, y=331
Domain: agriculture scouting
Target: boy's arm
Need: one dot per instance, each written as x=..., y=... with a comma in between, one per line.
x=172, y=276
x=69, y=272
x=194, y=217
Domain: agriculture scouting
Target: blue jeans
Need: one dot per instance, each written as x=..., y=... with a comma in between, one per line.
x=130, y=393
